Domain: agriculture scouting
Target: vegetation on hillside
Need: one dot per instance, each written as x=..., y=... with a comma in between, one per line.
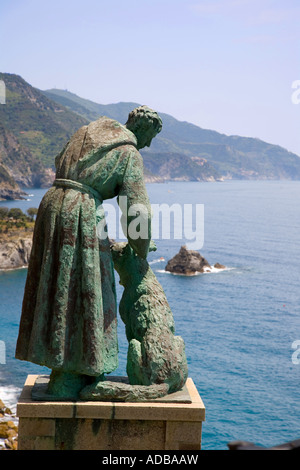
x=13, y=221
x=40, y=125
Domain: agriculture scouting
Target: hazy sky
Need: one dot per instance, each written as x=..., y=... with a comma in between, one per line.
x=226, y=65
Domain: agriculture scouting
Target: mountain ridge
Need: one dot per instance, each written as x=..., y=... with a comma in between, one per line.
x=36, y=124
x=228, y=156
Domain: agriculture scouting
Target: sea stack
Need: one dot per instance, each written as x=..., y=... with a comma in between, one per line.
x=187, y=262
x=190, y=262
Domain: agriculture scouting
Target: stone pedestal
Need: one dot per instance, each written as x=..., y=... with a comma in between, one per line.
x=170, y=423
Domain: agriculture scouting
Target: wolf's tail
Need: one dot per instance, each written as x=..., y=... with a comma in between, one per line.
x=118, y=391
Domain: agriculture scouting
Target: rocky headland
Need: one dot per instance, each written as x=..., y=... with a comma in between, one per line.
x=190, y=262
x=8, y=429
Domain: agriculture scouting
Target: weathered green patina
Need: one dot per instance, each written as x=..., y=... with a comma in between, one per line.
x=68, y=320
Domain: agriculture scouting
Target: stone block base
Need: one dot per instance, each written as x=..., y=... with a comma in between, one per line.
x=157, y=425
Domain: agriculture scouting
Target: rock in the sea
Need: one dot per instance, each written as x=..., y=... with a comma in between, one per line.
x=219, y=266
x=190, y=262
x=4, y=410
x=8, y=429
x=187, y=262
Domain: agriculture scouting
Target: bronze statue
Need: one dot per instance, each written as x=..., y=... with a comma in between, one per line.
x=69, y=312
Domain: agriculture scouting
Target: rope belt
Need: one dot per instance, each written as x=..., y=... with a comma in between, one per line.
x=83, y=188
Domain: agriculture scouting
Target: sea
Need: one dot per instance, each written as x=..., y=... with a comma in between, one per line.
x=241, y=324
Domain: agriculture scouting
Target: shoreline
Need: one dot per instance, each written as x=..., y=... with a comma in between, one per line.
x=5, y=270
x=9, y=425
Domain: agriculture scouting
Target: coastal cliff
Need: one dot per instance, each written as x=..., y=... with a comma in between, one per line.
x=15, y=251
x=33, y=130
x=9, y=189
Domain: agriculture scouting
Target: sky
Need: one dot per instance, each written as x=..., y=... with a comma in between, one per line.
x=226, y=65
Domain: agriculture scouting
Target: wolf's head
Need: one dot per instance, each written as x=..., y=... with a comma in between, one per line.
x=127, y=263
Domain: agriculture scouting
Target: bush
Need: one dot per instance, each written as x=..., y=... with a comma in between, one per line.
x=16, y=213
x=3, y=212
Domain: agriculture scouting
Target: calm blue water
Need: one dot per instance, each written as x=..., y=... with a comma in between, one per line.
x=238, y=324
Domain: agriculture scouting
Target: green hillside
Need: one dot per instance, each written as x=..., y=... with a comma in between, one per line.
x=40, y=125
x=33, y=129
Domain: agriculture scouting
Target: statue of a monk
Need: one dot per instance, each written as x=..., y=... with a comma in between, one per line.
x=69, y=312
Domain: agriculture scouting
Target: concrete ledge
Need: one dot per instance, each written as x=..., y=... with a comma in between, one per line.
x=109, y=426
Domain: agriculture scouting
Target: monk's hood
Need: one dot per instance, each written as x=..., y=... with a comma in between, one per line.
x=100, y=136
